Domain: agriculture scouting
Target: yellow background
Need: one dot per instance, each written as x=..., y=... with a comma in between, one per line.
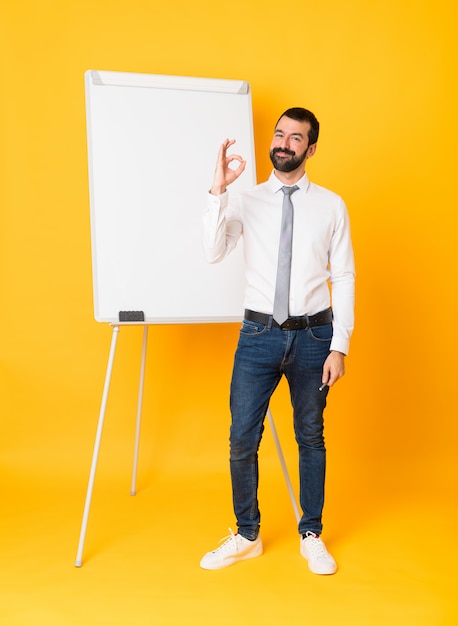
x=381, y=77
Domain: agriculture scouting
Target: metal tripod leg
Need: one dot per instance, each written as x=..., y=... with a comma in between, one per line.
x=95, y=454
x=133, y=489
x=283, y=464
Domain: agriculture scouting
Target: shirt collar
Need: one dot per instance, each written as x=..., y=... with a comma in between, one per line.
x=275, y=184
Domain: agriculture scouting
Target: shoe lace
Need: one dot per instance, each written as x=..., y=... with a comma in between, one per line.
x=315, y=545
x=226, y=542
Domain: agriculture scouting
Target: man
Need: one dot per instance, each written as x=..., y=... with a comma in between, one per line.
x=309, y=347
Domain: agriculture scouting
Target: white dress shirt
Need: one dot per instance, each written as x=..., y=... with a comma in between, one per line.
x=322, y=250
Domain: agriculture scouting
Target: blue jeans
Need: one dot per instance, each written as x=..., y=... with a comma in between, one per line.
x=264, y=353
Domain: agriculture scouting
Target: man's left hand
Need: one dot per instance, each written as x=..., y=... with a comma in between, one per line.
x=333, y=368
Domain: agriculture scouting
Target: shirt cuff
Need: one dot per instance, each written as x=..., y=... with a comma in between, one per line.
x=339, y=344
x=217, y=202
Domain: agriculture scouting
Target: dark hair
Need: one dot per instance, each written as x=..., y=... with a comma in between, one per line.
x=303, y=115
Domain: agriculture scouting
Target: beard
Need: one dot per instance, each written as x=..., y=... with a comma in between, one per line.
x=283, y=164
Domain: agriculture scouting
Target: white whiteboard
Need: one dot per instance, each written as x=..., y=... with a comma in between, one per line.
x=152, y=147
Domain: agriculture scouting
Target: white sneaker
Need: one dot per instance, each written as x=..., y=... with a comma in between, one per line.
x=235, y=548
x=319, y=559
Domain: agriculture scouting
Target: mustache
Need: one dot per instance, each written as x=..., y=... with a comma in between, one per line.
x=289, y=152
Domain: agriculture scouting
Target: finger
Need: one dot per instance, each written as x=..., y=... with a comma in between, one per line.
x=234, y=170
x=326, y=377
x=240, y=168
x=222, y=159
x=234, y=157
x=331, y=380
x=334, y=376
x=222, y=151
x=226, y=145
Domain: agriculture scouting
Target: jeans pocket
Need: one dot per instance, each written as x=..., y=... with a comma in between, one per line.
x=322, y=333
x=252, y=328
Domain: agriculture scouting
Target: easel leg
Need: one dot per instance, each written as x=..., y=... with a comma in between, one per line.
x=283, y=464
x=95, y=454
x=133, y=489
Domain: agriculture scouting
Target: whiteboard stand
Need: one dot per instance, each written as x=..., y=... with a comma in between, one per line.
x=98, y=439
x=283, y=465
x=133, y=489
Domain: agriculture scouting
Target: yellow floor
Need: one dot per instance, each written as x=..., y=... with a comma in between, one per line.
x=397, y=565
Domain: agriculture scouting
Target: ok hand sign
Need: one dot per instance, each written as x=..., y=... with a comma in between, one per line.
x=224, y=174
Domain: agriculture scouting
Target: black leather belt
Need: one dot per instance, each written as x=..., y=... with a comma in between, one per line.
x=292, y=323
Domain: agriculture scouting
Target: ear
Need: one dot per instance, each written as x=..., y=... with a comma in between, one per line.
x=311, y=150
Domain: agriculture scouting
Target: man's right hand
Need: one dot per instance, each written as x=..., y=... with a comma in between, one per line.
x=224, y=174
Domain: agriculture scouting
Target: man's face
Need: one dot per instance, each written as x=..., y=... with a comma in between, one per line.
x=290, y=144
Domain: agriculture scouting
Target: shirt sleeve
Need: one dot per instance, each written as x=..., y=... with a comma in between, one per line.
x=342, y=279
x=222, y=228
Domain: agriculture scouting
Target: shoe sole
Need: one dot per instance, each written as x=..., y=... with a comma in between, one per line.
x=322, y=573
x=257, y=551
